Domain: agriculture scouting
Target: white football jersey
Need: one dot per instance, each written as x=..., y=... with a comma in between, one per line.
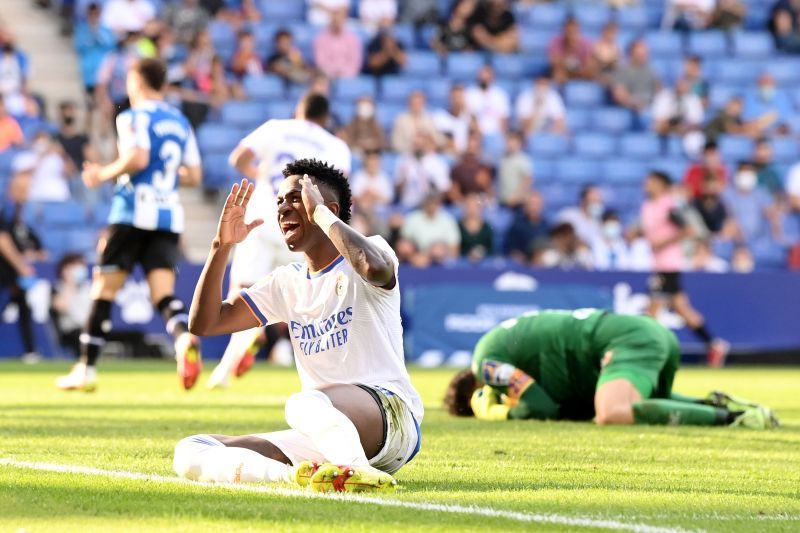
x=343, y=329
x=278, y=142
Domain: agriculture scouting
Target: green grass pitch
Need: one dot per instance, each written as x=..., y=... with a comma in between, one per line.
x=713, y=479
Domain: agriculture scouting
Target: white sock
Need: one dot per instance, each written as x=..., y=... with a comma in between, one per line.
x=335, y=436
x=204, y=458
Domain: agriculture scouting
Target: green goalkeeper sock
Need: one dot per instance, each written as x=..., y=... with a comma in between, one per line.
x=683, y=398
x=678, y=413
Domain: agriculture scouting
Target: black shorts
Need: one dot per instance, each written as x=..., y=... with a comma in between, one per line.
x=126, y=246
x=665, y=284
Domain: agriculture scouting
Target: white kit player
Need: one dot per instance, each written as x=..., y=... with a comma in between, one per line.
x=356, y=420
x=261, y=156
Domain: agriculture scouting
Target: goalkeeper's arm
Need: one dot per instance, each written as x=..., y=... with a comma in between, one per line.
x=534, y=402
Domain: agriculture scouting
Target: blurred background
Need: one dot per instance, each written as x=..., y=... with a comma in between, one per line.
x=500, y=146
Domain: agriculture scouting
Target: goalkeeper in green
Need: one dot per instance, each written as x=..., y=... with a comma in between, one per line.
x=588, y=364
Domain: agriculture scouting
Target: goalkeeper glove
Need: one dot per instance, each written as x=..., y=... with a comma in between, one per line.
x=486, y=405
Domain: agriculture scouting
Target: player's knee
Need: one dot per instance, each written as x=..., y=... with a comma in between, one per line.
x=616, y=414
x=184, y=461
x=301, y=408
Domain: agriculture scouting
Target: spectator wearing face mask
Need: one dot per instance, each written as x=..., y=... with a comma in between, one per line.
x=611, y=251
x=46, y=166
x=71, y=300
x=751, y=206
x=363, y=134
x=769, y=106
x=585, y=218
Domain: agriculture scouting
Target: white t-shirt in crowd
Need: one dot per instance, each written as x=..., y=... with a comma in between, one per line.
x=667, y=105
x=318, y=11
x=490, y=107
x=453, y=126
x=547, y=107
x=378, y=185
x=417, y=177
x=127, y=15
x=373, y=12
x=343, y=329
x=793, y=180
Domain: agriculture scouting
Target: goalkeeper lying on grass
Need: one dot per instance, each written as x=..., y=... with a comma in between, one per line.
x=584, y=364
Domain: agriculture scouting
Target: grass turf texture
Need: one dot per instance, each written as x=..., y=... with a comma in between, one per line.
x=716, y=479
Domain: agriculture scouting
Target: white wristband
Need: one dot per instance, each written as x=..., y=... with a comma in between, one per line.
x=324, y=218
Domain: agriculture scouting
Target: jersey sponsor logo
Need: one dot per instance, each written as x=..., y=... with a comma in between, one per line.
x=323, y=335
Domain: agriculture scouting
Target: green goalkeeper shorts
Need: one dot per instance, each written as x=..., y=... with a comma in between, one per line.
x=640, y=350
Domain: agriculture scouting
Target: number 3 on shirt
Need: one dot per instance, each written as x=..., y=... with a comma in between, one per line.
x=170, y=154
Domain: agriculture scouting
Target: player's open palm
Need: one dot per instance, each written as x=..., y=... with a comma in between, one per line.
x=232, y=228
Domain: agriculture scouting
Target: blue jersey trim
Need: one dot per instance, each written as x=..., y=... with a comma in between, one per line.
x=254, y=308
x=325, y=270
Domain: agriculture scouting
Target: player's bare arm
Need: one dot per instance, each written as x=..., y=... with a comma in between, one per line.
x=209, y=314
x=371, y=263
x=244, y=160
x=129, y=162
x=190, y=176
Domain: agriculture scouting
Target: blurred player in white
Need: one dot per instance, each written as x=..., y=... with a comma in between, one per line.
x=261, y=156
x=157, y=152
x=356, y=419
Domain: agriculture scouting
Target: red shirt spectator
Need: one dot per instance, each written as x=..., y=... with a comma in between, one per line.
x=709, y=169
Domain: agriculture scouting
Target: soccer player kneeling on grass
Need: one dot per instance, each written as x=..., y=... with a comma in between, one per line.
x=356, y=421
x=584, y=364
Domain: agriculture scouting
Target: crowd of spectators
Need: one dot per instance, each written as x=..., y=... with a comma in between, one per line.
x=445, y=181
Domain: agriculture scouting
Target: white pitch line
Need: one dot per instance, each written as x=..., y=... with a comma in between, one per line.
x=385, y=502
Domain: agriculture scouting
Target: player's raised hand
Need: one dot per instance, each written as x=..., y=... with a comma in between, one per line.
x=312, y=197
x=232, y=228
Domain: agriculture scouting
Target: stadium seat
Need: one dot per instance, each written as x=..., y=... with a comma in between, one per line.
x=510, y=65
x=596, y=145
x=345, y=109
x=708, y=44
x=753, y=45
x=102, y=210
x=264, y=88
x=592, y=17
x=545, y=145
x=583, y=94
x=785, y=150
x=463, y=66
x=279, y=110
x=405, y=35
x=543, y=171
x=534, y=42
x=216, y=171
x=215, y=138
x=387, y=112
x=82, y=241
x=577, y=171
x=550, y=16
x=578, y=119
x=511, y=86
x=786, y=71
x=640, y=145
x=623, y=172
x=493, y=147
x=351, y=89
x=62, y=214
x=395, y=89
x=243, y=114
x=719, y=95
x=611, y=119
x=423, y=64
x=664, y=45
x=283, y=11
x=222, y=34
x=632, y=18
x=500, y=219
x=738, y=72
x=675, y=168
x=734, y=148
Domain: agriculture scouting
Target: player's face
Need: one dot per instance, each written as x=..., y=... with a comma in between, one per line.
x=299, y=233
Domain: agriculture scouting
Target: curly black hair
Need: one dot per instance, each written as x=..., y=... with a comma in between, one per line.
x=330, y=176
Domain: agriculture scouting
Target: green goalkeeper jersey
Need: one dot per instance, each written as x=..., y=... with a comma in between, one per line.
x=567, y=353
